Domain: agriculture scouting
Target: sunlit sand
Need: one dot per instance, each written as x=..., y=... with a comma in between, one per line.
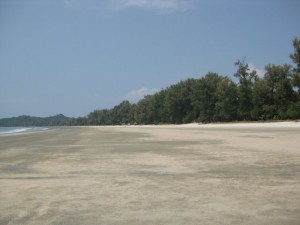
x=174, y=174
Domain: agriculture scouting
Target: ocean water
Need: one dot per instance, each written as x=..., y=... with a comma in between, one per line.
x=12, y=130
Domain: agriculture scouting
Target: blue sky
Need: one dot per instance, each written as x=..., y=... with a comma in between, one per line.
x=74, y=56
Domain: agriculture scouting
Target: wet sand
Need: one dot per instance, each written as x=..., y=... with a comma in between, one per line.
x=186, y=174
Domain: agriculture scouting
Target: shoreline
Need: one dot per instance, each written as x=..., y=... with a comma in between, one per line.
x=225, y=125
x=23, y=130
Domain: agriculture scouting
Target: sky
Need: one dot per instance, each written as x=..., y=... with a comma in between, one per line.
x=75, y=56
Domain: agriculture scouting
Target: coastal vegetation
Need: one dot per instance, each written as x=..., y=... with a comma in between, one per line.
x=211, y=98
x=28, y=121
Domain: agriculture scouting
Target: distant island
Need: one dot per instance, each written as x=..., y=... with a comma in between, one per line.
x=212, y=98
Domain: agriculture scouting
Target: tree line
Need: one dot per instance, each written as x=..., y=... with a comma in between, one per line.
x=212, y=98
x=216, y=98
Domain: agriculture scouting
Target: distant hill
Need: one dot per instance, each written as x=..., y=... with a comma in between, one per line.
x=26, y=121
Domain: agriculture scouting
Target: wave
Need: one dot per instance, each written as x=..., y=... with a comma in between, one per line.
x=12, y=130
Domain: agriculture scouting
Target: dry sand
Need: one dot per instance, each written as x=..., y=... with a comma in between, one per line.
x=186, y=174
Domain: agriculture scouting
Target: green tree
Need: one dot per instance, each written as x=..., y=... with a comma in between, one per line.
x=100, y=117
x=159, y=107
x=261, y=99
x=294, y=110
x=278, y=80
x=121, y=114
x=144, y=112
x=205, y=97
x=178, y=100
x=295, y=56
x=245, y=89
x=227, y=101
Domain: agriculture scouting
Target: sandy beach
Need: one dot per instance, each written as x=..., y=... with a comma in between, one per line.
x=244, y=173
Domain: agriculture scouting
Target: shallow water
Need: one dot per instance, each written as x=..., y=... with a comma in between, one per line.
x=11, y=130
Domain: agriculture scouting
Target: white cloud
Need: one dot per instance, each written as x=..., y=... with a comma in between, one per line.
x=259, y=72
x=162, y=5
x=137, y=94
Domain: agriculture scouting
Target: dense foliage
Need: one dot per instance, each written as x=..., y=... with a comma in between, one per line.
x=27, y=121
x=214, y=98
x=211, y=98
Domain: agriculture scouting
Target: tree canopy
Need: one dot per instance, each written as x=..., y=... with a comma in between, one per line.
x=214, y=97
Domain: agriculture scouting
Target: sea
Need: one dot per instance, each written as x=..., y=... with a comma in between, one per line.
x=12, y=130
